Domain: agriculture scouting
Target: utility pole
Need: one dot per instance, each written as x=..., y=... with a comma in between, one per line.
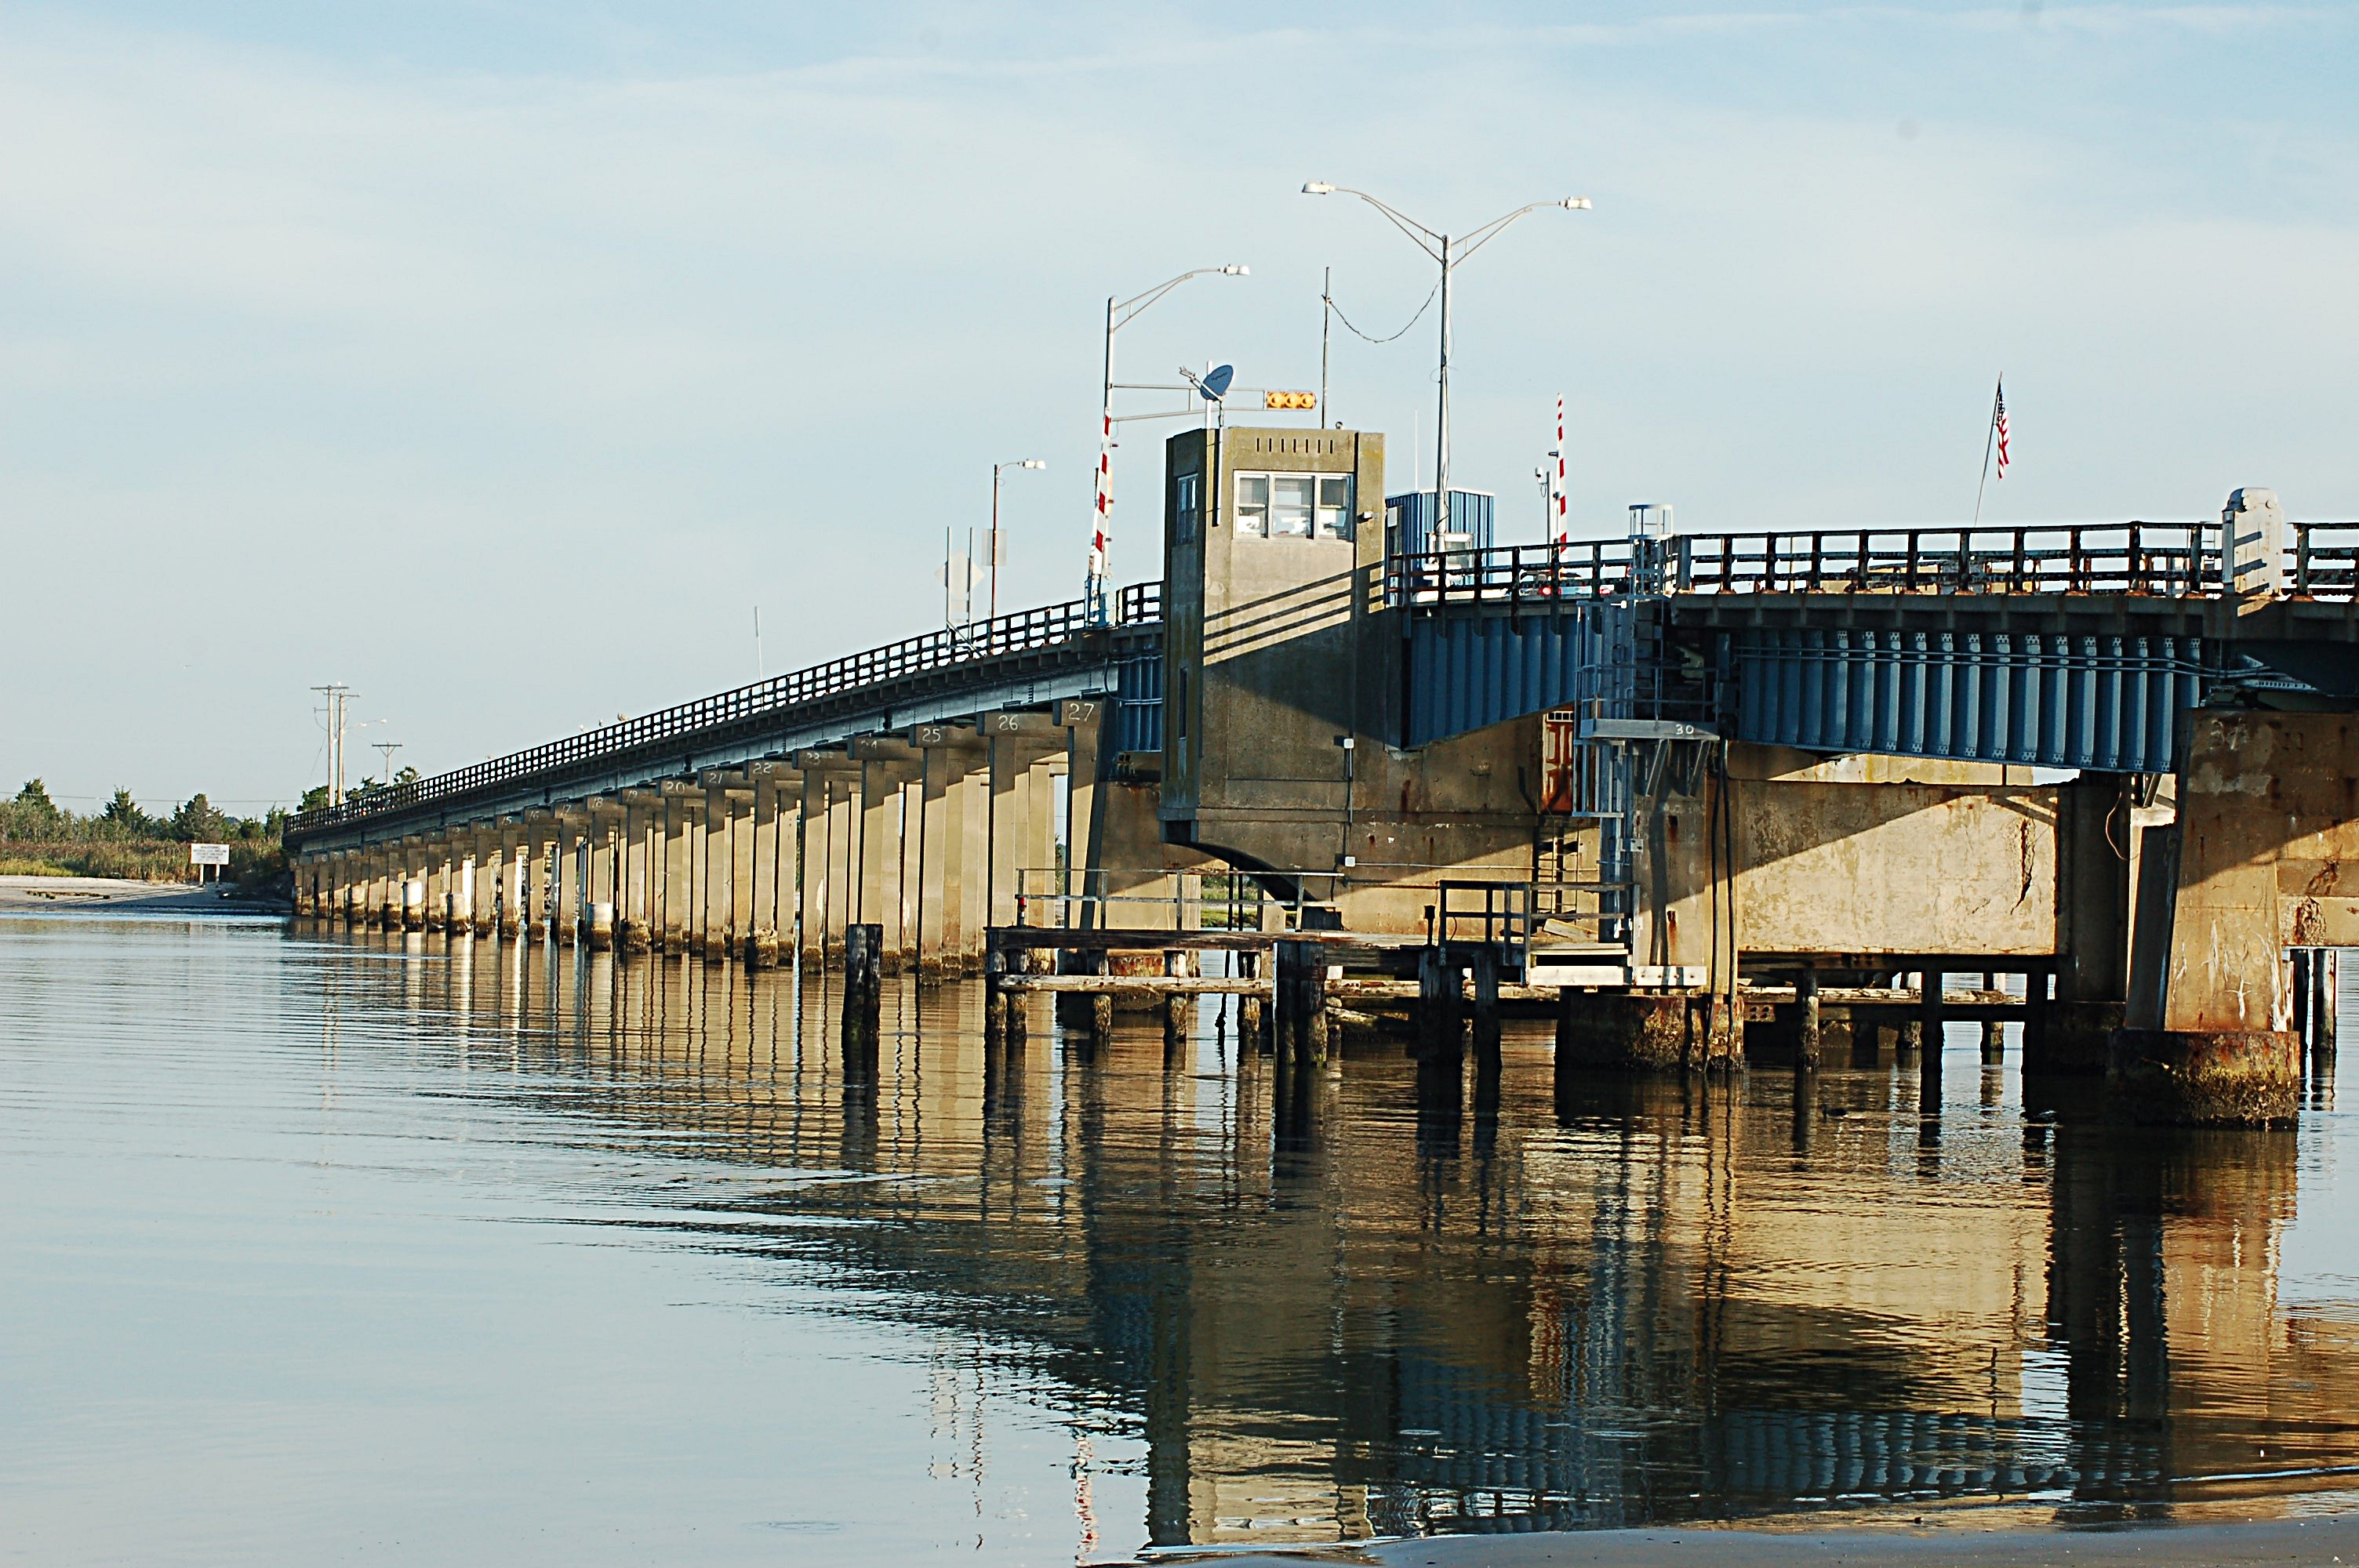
x=1326, y=314
x=1450, y=252
x=339, y=698
x=388, y=748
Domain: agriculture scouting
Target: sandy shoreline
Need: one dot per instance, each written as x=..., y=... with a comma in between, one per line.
x=2325, y=1541
x=118, y=895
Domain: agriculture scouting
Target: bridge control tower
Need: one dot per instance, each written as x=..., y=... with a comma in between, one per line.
x=1284, y=691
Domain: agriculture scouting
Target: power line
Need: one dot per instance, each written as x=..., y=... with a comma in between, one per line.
x=1380, y=342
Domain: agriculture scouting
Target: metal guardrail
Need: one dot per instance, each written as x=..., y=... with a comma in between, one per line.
x=1026, y=630
x=1500, y=910
x=2152, y=559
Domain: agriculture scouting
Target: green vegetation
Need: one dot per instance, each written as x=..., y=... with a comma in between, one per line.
x=39, y=837
x=368, y=790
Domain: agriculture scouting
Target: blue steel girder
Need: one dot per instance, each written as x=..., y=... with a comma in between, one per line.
x=2093, y=681
x=1471, y=666
x=2104, y=703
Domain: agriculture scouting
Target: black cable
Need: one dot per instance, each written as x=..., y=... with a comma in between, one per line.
x=1380, y=342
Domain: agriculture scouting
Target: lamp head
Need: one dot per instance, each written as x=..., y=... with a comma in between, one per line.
x=1033, y=463
x=1317, y=188
x=1236, y=269
x=1575, y=203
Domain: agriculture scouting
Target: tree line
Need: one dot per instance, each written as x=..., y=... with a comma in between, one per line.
x=39, y=836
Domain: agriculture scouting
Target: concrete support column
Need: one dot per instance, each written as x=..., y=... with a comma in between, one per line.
x=718, y=869
x=842, y=858
x=567, y=908
x=511, y=915
x=777, y=863
x=539, y=842
x=811, y=829
x=967, y=866
x=636, y=916
x=888, y=843
x=696, y=841
x=1084, y=724
x=413, y=883
x=672, y=895
x=438, y=883
x=2208, y=1037
x=880, y=808
x=935, y=918
x=739, y=803
x=1040, y=838
x=599, y=929
x=1015, y=836
x=2097, y=850
x=762, y=926
x=483, y=858
x=912, y=870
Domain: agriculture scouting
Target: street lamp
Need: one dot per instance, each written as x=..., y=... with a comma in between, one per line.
x=995, y=467
x=1120, y=313
x=1448, y=253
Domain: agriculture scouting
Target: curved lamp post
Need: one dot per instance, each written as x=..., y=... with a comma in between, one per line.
x=1447, y=252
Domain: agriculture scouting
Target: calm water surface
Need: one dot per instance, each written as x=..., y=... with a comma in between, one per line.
x=321, y=1247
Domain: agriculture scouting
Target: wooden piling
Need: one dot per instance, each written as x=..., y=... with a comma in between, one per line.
x=1994, y=1035
x=994, y=1000
x=1250, y=1032
x=1486, y=1028
x=1100, y=964
x=1806, y=998
x=863, y=991
x=1178, y=1009
x=1440, y=1025
x=2325, y=972
x=1930, y=1042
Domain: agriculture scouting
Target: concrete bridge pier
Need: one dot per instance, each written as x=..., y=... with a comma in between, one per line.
x=760, y=947
x=567, y=867
x=483, y=881
x=540, y=839
x=674, y=876
x=1020, y=827
x=887, y=766
x=941, y=837
x=635, y=926
x=820, y=772
x=2264, y=858
x=508, y=898
x=739, y=803
x=715, y=846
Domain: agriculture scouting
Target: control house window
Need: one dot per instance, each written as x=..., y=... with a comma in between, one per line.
x=1187, y=504
x=1295, y=505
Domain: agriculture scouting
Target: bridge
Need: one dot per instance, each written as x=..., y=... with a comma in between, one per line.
x=1692, y=789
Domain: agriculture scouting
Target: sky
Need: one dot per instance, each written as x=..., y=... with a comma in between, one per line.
x=499, y=357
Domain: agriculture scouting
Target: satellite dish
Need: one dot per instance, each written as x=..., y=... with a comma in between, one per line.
x=1216, y=381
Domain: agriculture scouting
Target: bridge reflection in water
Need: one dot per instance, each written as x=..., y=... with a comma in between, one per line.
x=1609, y=1300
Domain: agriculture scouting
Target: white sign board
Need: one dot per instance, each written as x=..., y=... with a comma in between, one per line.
x=208, y=854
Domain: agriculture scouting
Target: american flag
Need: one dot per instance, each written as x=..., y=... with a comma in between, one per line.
x=1998, y=423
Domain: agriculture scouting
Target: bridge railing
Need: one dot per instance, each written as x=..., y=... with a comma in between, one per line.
x=1022, y=632
x=2159, y=559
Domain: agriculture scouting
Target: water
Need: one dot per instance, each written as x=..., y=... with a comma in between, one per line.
x=321, y=1246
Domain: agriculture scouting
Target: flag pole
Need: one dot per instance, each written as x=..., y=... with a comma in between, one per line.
x=1990, y=438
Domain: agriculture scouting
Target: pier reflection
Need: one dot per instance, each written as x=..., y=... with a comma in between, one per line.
x=1331, y=1301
